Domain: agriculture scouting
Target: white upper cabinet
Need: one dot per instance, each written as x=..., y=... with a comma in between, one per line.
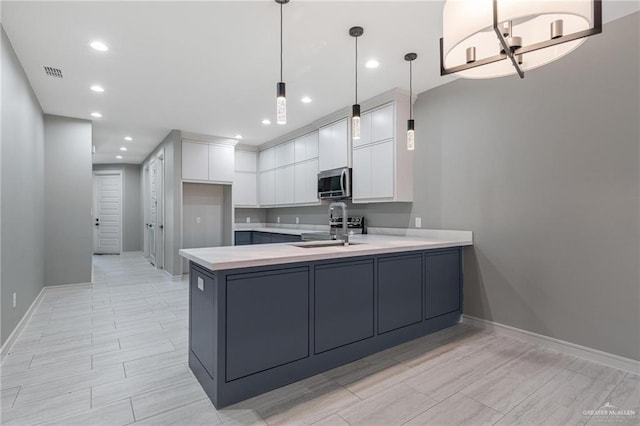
x=245, y=182
x=195, y=161
x=382, y=166
x=267, y=188
x=267, y=159
x=333, y=145
x=285, y=185
x=284, y=154
x=207, y=162
x=221, y=163
x=246, y=161
x=306, y=147
x=305, y=182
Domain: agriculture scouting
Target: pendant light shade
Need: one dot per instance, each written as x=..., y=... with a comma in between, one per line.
x=356, y=32
x=495, y=38
x=281, y=98
x=410, y=57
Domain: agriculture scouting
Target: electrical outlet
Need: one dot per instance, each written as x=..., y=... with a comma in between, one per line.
x=297, y=220
x=248, y=219
x=418, y=222
x=278, y=219
x=14, y=300
x=198, y=219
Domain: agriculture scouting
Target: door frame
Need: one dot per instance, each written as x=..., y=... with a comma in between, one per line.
x=95, y=209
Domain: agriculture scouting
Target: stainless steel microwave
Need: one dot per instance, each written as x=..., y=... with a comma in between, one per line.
x=334, y=184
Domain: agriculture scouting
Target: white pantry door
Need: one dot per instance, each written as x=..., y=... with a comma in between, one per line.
x=107, y=221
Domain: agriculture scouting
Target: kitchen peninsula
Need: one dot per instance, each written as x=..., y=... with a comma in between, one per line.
x=263, y=316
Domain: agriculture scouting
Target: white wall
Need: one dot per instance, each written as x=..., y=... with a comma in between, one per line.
x=68, y=193
x=22, y=191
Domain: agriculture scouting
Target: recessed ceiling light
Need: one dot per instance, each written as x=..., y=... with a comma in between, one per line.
x=128, y=138
x=96, y=114
x=238, y=136
x=97, y=88
x=119, y=157
x=305, y=100
x=266, y=121
x=123, y=148
x=98, y=45
x=372, y=64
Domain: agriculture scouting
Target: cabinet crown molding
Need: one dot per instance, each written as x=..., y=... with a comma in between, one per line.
x=217, y=140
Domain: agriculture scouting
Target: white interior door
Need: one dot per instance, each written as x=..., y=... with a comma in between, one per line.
x=145, y=206
x=107, y=221
x=160, y=210
x=153, y=210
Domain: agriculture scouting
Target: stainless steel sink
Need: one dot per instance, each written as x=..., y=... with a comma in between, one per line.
x=318, y=244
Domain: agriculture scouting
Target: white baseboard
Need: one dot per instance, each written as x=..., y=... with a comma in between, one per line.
x=173, y=277
x=584, y=352
x=8, y=344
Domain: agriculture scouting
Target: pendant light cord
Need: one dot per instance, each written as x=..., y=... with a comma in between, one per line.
x=410, y=89
x=356, y=66
x=281, y=49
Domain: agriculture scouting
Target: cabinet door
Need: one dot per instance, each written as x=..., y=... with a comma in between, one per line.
x=285, y=177
x=325, y=148
x=195, y=161
x=361, y=184
x=399, y=292
x=284, y=154
x=267, y=159
x=246, y=161
x=243, y=238
x=340, y=135
x=203, y=318
x=382, y=123
x=382, y=170
x=221, y=163
x=343, y=304
x=267, y=320
x=443, y=282
x=300, y=149
x=365, y=130
x=300, y=183
x=311, y=181
x=311, y=144
x=267, y=188
x=245, y=189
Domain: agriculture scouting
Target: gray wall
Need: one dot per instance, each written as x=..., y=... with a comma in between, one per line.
x=68, y=199
x=22, y=192
x=255, y=215
x=132, y=204
x=171, y=145
x=546, y=172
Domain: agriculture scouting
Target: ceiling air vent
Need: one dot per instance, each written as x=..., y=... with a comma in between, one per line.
x=53, y=72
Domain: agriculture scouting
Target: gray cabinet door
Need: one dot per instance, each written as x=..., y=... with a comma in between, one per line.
x=242, y=238
x=203, y=318
x=399, y=292
x=267, y=320
x=443, y=282
x=343, y=304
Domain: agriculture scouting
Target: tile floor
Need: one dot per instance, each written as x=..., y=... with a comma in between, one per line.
x=115, y=353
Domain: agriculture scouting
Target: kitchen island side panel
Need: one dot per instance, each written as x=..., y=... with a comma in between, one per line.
x=242, y=370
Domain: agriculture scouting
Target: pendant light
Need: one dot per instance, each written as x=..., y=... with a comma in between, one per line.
x=356, y=32
x=494, y=38
x=281, y=98
x=410, y=123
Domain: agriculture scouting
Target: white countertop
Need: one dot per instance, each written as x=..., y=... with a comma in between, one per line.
x=232, y=257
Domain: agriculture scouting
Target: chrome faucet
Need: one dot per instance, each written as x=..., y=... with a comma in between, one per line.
x=345, y=230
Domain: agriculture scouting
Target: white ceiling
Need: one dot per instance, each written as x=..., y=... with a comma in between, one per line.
x=212, y=67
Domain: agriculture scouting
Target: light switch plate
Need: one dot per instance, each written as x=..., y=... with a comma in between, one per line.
x=198, y=219
x=278, y=219
x=200, y=284
x=418, y=222
x=297, y=220
x=248, y=219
